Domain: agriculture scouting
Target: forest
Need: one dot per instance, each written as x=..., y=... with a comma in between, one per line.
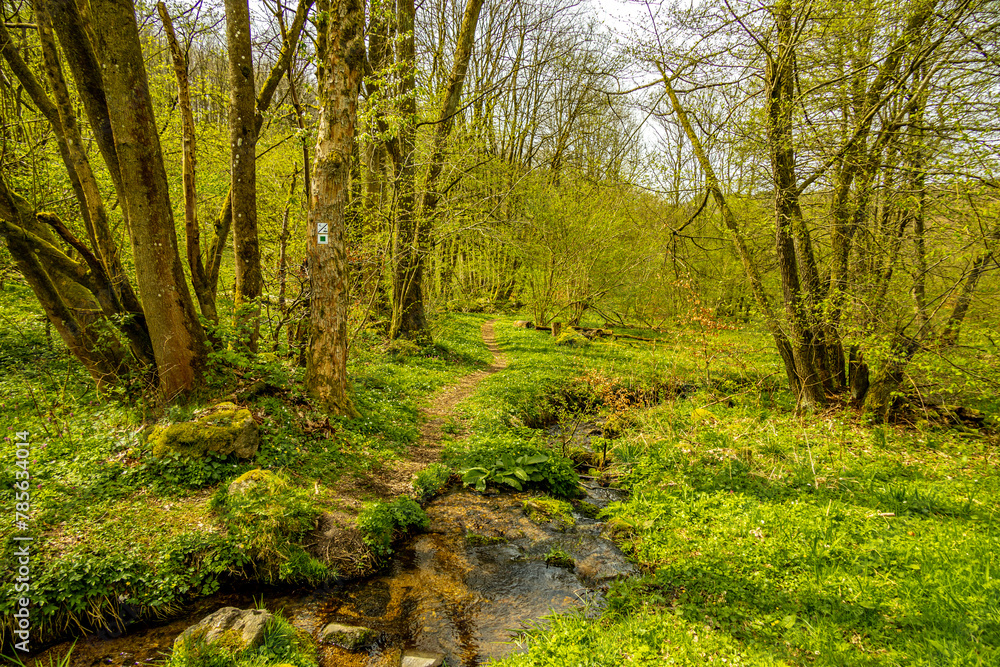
x=523, y=332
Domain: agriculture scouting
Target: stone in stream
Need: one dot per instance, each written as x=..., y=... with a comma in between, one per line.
x=242, y=628
x=351, y=637
x=421, y=659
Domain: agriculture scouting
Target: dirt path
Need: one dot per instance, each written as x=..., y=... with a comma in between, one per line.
x=428, y=447
x=395, y=478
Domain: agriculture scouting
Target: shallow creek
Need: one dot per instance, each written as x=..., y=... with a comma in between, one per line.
x=461, y=589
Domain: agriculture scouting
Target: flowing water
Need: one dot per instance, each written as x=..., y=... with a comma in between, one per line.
x=462, y=589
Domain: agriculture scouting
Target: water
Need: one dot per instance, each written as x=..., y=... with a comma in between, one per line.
x=462, y=589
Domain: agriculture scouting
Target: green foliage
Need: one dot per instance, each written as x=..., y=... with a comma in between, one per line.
x=283, y=646
x=268, y=520
x=430, y=481
x=571, y=338
x=515, y=463
x=559, y=558
x=175, y=472
x=381, y=522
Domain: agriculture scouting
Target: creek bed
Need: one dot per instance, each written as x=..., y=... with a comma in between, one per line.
x=481, y=572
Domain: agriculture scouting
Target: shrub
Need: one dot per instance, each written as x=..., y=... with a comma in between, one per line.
x=380, y=522
x=515, y=463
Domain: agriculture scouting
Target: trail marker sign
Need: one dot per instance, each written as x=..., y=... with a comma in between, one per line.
x=322, y=233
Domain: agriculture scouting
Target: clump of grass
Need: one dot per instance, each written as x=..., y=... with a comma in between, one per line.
x=430, y=481
x=382, y=522
x=283, y=646
x=267, y=516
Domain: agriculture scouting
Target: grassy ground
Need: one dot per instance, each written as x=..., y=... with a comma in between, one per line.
x=763, y=537
x=767, y=538
x=118, y=532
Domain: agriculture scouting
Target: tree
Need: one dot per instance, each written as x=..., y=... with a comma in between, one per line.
x=342, y=58
x=243, y=145
x=845, y=105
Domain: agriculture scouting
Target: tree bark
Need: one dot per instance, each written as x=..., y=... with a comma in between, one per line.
x=224, y=219
x=178, y=340
x=192, y=230
x=779, y=82
x=342, y=62
x=408, y=317
x=243, y=168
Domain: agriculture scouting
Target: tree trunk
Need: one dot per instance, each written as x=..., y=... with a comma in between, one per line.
x=729, y=220
x=780, y=91
x=408, y=317
x=192, y=230
x=224, y=219
x=243, y=149
x=342, y=62
x=179, y=344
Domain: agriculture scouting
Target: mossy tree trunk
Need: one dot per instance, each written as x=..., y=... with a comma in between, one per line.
x=243, y=170
x=179, y=343
x=341, y=66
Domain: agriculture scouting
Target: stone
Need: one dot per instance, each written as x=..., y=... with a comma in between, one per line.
x=604, y=563
x=240, y=629
x=524, y=324
x=223, y=429
x=572, y=338
x=252, y=479
x=351, y=637
x=421, y=659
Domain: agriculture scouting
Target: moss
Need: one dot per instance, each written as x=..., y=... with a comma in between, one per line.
x=571, y=338
x=268, y=518
x=477, y=540
x=225, y=428
x=559, y=558
x=545, y=509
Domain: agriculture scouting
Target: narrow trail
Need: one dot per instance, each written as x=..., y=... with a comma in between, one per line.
x=428, y=447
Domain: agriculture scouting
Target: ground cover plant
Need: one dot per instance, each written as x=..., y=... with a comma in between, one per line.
x=767, y=537
x=107, y=516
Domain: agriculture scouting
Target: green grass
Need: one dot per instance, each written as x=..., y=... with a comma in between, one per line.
x=91, y=469
x=764, y=538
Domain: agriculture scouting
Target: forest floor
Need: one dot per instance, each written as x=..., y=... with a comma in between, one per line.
x=763, y=537
x=396, y=478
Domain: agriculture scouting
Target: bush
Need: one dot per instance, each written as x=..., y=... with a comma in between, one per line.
x=381, y=522
x=499, y=459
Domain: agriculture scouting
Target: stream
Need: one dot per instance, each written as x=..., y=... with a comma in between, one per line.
x=462, y=589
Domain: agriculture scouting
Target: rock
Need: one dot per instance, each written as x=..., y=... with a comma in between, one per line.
x=252, y=479
x=223, y=429
x=421, y=659
x=571, y=338
x=241, y=629
x=524, y=324
x=351, y=637
x=605, y=563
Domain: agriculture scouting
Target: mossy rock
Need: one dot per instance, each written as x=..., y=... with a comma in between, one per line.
x=254, y=478
x=234, y=629
x=351, y=637
x=550, y=510
x=571, y=338
x=223, y=429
